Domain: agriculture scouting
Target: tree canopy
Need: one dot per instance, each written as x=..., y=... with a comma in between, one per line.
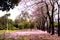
x=5, y=5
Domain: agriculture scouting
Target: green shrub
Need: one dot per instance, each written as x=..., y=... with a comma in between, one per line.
x=1, y=26
x=55, y=24
x=31, y=25
x=11, y=27
x=21, y=26
x=24, y=25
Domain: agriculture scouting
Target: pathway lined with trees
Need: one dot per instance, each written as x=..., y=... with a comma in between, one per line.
x=42, y=17
x=41, y=21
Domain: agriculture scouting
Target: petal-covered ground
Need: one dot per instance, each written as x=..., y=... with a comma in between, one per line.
x=23, y=33
x=30, y=35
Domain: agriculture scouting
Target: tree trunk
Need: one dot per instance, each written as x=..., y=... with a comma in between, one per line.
x=52, y=23
x=49, y=27
x=58, y=23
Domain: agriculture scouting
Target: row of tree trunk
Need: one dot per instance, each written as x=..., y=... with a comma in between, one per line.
x=51, y=20
x=50, y=27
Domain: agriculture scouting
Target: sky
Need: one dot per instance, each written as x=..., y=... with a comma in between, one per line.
x=13, y=13
x=17, y=10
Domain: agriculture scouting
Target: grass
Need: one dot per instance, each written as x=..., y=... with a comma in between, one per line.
x=5, y=31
